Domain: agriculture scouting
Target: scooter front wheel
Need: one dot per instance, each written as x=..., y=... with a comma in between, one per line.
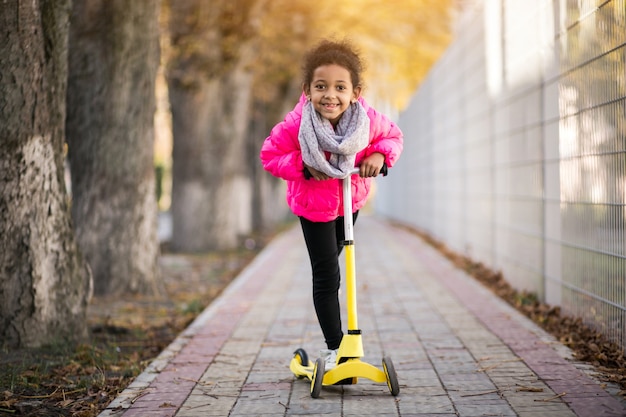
x=318, y=377
x=392, y=377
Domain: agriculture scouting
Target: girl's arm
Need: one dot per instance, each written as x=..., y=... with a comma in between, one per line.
x=386, y=138
x=280, y=153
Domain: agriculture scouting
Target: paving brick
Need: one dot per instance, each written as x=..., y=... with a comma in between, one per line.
x=457, y=349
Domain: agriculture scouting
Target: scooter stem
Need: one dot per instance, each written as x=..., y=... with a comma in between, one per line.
x=349, y=252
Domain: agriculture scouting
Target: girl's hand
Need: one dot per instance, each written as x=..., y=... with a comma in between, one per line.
x=371, y=166
x=317, y=175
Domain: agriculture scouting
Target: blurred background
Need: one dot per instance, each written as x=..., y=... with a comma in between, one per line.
x=516, y=152
x=515, y=132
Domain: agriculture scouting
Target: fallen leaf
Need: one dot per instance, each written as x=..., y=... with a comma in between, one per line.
x=523, y=388
x=65, y=403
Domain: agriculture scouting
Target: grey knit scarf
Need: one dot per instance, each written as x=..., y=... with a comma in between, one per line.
x=317, y=135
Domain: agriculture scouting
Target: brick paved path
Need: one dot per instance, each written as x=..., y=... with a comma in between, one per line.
x=457, y=349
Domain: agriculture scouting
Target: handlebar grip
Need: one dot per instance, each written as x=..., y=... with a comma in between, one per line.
x=384, y=170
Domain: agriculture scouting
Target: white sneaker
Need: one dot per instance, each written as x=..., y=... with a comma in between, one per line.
x=330, y=357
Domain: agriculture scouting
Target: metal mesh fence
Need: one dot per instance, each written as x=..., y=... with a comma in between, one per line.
x=515, y=152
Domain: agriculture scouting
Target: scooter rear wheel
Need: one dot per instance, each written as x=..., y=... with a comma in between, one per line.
x=318, y=377
x=303, y=359
x=392, y=377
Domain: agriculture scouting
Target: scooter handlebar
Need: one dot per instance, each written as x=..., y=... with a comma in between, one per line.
x=383, y=171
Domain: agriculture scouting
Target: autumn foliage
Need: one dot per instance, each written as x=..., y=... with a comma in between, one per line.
x=400, y=41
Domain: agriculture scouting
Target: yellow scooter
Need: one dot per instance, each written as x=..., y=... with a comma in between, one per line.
x=349, y=366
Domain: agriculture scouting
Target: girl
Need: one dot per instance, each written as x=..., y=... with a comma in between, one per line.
x=330, y=131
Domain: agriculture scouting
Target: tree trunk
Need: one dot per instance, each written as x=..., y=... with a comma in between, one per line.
x=44, y=283
x=210, y=81
x=113, y=59
x=277, y=88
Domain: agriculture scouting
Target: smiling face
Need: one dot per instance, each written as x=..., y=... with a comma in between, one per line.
x=331, y=91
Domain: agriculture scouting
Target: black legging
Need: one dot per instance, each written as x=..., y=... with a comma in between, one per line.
x=323, y=242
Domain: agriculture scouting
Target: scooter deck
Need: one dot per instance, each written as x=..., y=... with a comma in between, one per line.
x=349, y=369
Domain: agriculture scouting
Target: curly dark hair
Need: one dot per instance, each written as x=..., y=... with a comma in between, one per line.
x=327, y=52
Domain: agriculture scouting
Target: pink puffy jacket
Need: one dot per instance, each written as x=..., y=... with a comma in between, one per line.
x=321, y=201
